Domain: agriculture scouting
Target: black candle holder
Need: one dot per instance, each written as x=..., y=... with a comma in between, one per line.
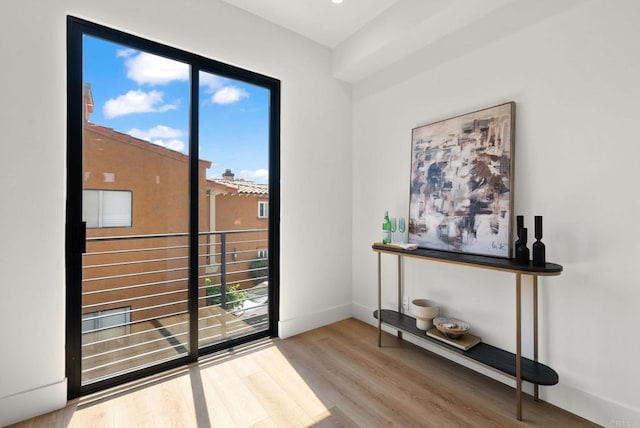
x=539, y=250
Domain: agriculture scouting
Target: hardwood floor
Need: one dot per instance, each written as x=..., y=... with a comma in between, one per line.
x=334, y=376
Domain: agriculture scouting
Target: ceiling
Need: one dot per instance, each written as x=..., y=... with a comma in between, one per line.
x=366, y=36
x=319, y=20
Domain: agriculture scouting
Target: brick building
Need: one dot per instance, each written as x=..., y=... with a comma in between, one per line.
x=136, y=205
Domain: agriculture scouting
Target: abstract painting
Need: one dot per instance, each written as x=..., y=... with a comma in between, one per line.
x=461, y=192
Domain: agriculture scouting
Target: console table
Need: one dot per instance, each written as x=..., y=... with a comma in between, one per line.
x=506, y=362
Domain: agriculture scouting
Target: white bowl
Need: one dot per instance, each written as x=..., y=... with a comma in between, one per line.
x=425, y=311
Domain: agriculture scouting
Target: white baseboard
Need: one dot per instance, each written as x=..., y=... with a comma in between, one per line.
x=28, y=404
x=594, y=408
x=293, y=326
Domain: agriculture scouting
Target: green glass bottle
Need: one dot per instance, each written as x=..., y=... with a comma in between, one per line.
x=386, y=229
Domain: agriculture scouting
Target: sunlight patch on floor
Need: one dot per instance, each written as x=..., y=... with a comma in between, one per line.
x=249, y=386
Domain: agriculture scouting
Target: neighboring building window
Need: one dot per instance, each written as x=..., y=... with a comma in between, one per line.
x=106, y=208
x=263, y=254
x=106, y=324
x=263, y=209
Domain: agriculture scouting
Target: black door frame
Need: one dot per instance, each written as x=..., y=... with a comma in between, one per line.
x=75, y=230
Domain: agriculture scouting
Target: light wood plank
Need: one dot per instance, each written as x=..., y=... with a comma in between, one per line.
x=243, y=406
x=337, y=418
x=335, y=376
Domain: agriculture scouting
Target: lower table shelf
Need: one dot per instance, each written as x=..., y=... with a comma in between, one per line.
x=483, y=353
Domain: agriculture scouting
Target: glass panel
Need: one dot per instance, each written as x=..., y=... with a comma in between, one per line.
x=91, y=207
x=234, y=145
x=136, y=172
x=116, y=209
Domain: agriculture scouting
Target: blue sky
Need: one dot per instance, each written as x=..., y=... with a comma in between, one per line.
x=147, y=96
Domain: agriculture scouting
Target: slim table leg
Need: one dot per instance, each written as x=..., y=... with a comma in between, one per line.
x=518, y=348
x=399, y=290
x=379, y=303
x=535, y=332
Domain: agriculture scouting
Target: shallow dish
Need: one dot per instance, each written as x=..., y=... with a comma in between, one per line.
x=452, y=328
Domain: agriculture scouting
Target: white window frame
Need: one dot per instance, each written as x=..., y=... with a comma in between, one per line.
x=101, y=221
x=263, y=209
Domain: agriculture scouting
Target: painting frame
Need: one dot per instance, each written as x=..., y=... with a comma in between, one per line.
x=461, y=183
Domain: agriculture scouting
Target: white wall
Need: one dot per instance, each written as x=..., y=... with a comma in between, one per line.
x=574, y=77
x=316, y=160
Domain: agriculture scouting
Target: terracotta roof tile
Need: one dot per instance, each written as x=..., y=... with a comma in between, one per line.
x=241, y=187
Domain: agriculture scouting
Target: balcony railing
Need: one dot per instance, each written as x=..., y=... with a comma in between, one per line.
x=135, y=297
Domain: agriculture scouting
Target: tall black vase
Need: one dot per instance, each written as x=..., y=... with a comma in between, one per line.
x=539, y=256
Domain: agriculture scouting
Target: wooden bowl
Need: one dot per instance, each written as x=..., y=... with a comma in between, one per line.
x=451, y=327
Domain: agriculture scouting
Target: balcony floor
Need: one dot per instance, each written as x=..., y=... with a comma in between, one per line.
x=157, y=340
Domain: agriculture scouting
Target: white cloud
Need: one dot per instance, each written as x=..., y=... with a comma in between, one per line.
x=146, y=68
x=259, y=175
x=161, y=135
x=136, y=102
x=222, y=92
x=176, y=145
x=125, y=52
x=160, y=131
x=229, y=95
x=212, y=81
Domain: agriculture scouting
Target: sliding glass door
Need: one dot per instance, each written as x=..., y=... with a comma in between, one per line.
x=172, y=173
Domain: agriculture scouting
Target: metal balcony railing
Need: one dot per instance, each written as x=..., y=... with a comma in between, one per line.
x=135, y=297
